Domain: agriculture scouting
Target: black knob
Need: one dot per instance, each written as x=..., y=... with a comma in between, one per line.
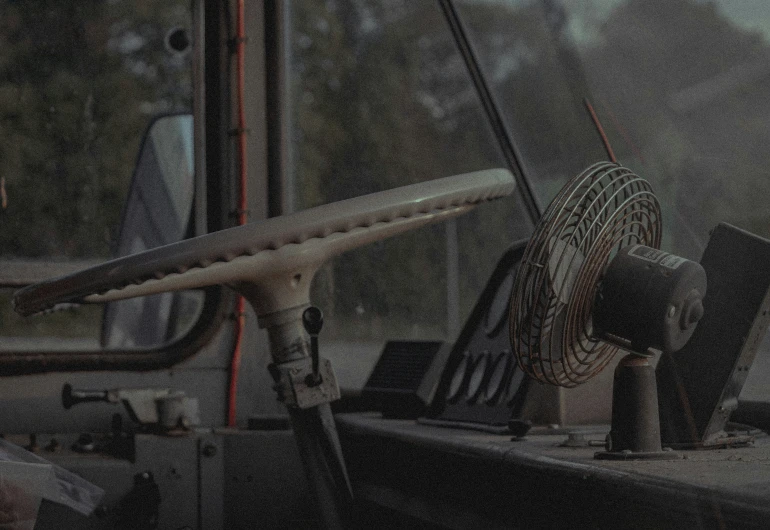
x=313, y=320
x=692, y=310
x=178, y=41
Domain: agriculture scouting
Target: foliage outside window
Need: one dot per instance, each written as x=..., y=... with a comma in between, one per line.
x=381, y=97
x=79, y=84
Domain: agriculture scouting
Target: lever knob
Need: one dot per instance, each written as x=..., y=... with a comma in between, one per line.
x=313, y=320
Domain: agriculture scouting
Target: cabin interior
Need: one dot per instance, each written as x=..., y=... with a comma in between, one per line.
x=282, y=264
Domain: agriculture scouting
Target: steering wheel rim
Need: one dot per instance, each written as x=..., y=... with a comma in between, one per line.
x=271, y=262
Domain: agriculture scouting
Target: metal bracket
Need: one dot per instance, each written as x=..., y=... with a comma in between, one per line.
x=147, y=406
x=293, y=388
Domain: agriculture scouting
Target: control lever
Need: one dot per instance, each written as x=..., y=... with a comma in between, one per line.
x=160, y=408
x=313, y=321
x=71, y=397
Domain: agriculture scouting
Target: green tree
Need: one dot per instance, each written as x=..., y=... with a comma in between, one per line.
x=382, y=98
x=79, y=81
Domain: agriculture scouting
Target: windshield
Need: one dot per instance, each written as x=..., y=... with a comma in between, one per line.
x=380, y=97
x=679, y=87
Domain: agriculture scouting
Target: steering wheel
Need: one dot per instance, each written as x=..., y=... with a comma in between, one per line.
x=272, y=264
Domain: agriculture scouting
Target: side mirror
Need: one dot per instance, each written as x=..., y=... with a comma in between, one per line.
x=158, y=211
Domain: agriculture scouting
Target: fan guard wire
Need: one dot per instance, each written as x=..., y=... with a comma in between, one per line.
x=598, y=212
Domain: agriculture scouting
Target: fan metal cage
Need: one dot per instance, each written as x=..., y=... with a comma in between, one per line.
x=601, y=210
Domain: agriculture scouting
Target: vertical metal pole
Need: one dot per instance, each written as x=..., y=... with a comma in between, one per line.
x=216, y=93
x=452, y=278
x=199, y=117
x=492, y=109
x=317, y=441
x=276, y=92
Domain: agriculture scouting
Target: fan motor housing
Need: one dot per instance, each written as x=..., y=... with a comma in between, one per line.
x=649, y=299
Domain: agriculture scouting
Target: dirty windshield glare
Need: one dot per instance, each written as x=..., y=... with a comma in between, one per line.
x=380, y=97
x=679, y=86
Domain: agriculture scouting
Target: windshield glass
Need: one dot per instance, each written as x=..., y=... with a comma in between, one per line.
x=679, y=86
x=380, y=98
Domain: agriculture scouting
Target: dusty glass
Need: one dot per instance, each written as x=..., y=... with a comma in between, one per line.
x=380, y=97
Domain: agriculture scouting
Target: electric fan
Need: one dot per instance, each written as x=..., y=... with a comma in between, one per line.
x=593, y=281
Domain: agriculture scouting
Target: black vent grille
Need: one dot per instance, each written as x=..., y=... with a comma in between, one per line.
x=402, y=365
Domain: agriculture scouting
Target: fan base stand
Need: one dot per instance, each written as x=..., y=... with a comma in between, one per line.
x=635, y=431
